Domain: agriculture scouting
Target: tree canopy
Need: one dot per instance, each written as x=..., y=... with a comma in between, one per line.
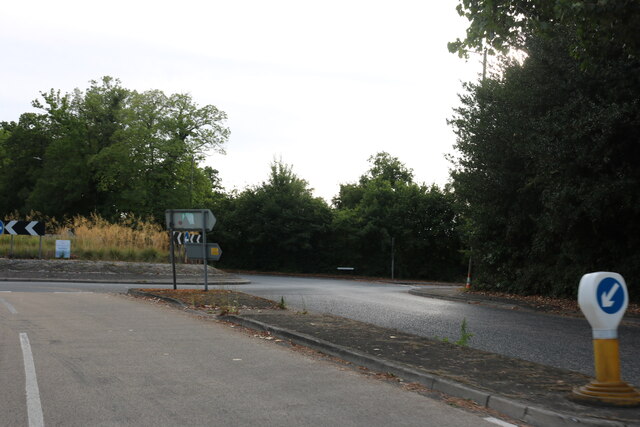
x=278, y=225
x=386, y=204
x=593, y=25
x=109, y=150
x=547, y=174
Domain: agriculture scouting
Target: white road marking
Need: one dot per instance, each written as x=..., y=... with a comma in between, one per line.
x=72, y=292
x=5, y=292
x=34, y=407
x=499, y=422
x=12, y=310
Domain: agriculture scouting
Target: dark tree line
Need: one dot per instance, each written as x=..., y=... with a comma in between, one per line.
x=280, y=226
x=121, y=153
x=547, y=176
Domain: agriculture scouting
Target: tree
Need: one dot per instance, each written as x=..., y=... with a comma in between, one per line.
x=113, y=151
x=386, y=204
x=65, y=184
x=598, y=28
x=278, y=225
x=164, y=139
x=22, y=147
x=546, y=173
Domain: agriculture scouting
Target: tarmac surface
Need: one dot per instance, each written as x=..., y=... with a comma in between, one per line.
x=526, y=391
x=532, y=393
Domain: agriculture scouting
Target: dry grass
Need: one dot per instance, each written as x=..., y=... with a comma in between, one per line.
x=131, y=239
x=95, y=232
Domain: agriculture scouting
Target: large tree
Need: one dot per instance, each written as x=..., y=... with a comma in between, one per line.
x=278, y=225
x=596, y=28
x=547, y=169
x=111, y=150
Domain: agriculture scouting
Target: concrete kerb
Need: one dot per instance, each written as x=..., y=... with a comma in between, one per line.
x=138, y=293
x=131, y=281
x=544, y=417
x=508, y=407
x=500, y=304
x=515, y=409
x=518, y=410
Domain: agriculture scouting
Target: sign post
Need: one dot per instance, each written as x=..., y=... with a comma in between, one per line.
x=603, y=298
x=204, y=251
x=170, y=226
x=190, y=220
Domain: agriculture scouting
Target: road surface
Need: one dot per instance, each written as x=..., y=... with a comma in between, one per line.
x=548, y=339
x=93, y=358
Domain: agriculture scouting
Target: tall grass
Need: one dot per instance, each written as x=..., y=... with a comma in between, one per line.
x=94, y=238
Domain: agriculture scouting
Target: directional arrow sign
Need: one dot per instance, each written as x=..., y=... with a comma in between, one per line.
x=606, y=296
x=1, y=227
x=611, y=295
x=30, y=228
x=180, y=238
x=603, y=299
x=25, y=228
x=8, y=229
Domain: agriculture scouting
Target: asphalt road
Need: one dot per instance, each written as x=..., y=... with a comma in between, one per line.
x=548, y=339
x=93, y=358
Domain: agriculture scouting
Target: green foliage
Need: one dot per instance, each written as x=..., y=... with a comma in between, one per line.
x=465, y=335
x=281, y=226
x=276, y=226
x=387, y=204
x=109, y=150
x=597, y=28
x=547, y=176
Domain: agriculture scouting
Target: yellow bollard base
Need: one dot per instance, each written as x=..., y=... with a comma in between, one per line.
x=607, y=394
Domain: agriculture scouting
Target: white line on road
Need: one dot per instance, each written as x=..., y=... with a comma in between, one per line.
x=72, y=292
x=5, y=292
x=12, y=310
x=499, y=422
x=34, y=407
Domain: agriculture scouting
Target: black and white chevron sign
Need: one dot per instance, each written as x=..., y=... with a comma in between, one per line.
x=180, y=238
x=24, y=228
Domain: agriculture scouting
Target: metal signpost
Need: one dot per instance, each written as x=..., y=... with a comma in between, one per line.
x=190, y=220
x=603, y=298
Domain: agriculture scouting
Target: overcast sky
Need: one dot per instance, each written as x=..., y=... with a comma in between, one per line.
x=321, y=85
